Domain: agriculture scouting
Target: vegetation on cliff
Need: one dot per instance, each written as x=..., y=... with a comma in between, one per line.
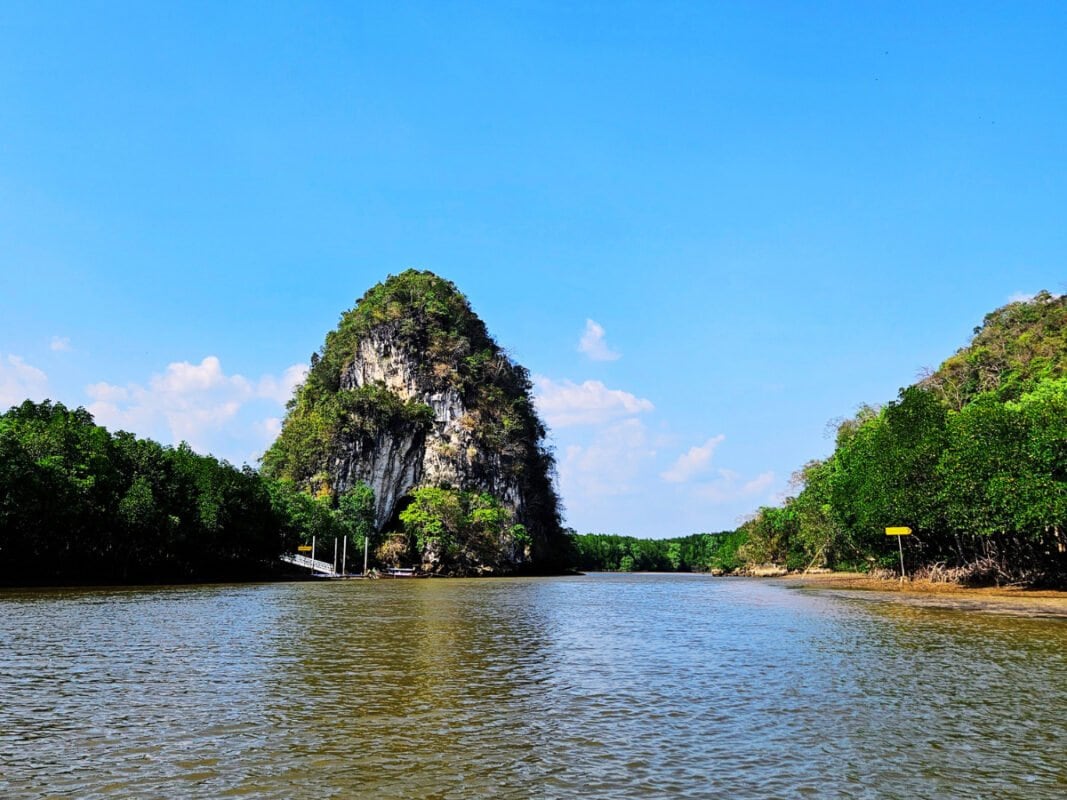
x=425, y=321
x=1015, y=349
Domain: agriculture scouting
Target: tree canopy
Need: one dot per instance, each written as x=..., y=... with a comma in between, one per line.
x=79, y=504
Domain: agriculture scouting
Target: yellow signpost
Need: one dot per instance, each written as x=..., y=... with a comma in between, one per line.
x=304, y=548
x=899, y=532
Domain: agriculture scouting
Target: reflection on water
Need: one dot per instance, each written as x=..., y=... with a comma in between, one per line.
x=604, y=686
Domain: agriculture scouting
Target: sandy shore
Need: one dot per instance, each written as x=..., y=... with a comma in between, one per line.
x=996, y=599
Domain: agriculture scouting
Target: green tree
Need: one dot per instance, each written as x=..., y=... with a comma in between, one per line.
x=79, y=504
x=356, y=508
x=1004, y=479
x=820, y=536
x=434, y=516
x=771, y=534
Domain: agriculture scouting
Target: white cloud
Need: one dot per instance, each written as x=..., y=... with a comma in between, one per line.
x=1021, y=297
x=609, y=465
x=107, y=393
x=693, y=462
x=728, y=487
x=565, y=403
x=196, y=403
x=182, y=378
x=594, y=345
x=621, y=469
x=60, y=344
x=20, y=381
x=281, y=390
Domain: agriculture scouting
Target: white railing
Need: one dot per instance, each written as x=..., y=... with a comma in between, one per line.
x=321, y=567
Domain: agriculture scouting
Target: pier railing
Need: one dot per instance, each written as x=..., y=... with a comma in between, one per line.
x=316, y=566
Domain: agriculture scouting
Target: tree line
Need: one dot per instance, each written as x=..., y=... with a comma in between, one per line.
x=699, y=552
x=973, y=458
x=984, y=490
x=79, y=504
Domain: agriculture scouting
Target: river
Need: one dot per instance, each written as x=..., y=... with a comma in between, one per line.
x=599, y=686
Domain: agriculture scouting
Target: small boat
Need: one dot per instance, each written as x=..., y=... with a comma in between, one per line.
x=399, y=572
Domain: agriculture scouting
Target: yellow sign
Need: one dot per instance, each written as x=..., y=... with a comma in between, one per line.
x=898, y=531
x=304, y=548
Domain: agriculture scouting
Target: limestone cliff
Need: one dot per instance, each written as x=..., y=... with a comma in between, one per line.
x=411, y=393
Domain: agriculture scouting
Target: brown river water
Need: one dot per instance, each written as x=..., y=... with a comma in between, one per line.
x=599, y=686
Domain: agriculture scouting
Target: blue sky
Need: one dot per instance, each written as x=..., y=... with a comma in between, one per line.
x=756, y=216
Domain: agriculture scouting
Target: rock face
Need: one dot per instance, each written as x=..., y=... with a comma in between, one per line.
x=396, y=462
x=411, y=393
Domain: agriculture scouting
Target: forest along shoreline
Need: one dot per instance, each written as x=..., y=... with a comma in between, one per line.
x=1017, y=600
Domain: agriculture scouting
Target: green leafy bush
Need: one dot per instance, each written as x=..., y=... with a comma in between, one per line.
x=456, y=520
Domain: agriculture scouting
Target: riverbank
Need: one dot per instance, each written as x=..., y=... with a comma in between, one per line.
x=997, y=599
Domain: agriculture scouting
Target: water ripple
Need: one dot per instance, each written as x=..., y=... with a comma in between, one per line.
x=599, y=686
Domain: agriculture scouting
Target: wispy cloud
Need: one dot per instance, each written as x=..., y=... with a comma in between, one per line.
x=281, y=389
x=20, y=381
x=1021, y=297
x=730, y=486
x=693, y=462
x=565, y=403
x=608, y=466
x=60, y=344
x=594, y=345
x=621, y=468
